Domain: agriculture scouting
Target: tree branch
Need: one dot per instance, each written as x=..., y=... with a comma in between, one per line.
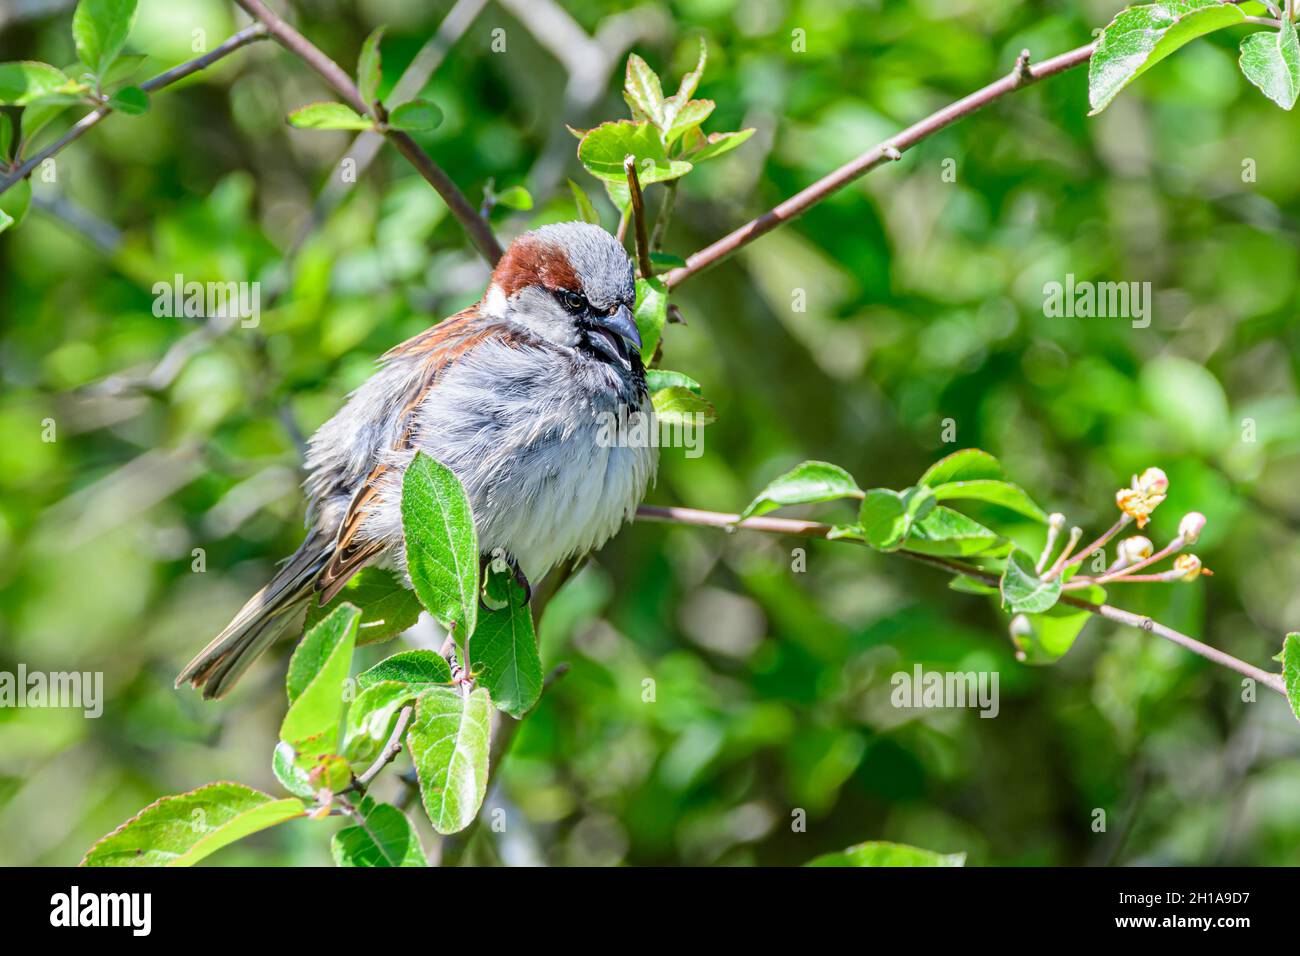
x=244, y=37
x=480, y=233
x=638, y=214
x=814, y=529
x=1022, y=75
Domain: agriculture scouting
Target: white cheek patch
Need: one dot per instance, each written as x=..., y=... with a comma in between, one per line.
x=494, y=303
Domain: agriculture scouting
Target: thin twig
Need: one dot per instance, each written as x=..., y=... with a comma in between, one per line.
x=638, y=214
x=390, y=751
x=814, y=529
x=480, y=233
x=241, y=39
x=885, y=152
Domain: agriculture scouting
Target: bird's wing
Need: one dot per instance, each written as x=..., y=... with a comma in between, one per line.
x=435, y=349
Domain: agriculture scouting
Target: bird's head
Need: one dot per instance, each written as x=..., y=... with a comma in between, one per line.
x=572, y=284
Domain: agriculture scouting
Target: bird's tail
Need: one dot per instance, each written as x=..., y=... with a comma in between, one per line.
x=217, y=667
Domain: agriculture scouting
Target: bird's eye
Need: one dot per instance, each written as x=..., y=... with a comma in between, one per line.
x=575, y=302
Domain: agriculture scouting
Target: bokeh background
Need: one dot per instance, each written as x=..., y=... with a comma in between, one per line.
x=924, y=304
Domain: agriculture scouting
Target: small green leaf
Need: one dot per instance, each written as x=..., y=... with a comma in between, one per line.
x=415, y=116
x=888, y=854
x=1023, y=591
x=658, y=378
x=603, y=149
x=1291, y=670
x=663, y=261
x=38, y=113
x=651, y=313
x=1272, y=62
x=1053, y=633
x=1140, y=37
x=409, y=667
x=441, y=544
x=130, y=100
x=14, y=203
x=100, y=29
x=123, y=68
x=503, y=653
x=947, y=533
x=689, y=117
x=183, y=829
x=805, y=483
x=680, y=407
x=314, y=682
x=387, y=607
x=969, y=585
x=1009, y=496
x=26, y=80
x=371, y=716
x=515, y=197
x=448, y=741
x=643, y=92
x=369, y=69
x=386, y=839
x=328, y=116
x=586, y=211
x=715, y=144
x=968, y=464
x=291, y=774
x=883, y=519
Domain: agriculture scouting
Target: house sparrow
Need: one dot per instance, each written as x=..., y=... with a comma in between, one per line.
x=511, y=394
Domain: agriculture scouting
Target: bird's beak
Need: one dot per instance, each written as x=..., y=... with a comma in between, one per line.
x=622, y=323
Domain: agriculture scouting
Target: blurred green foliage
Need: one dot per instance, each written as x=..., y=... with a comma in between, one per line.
x=924, y=291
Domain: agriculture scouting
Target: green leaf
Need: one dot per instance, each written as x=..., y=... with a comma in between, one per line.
x=663, y=261
x=291, y=774
x=371, y=716
x=715, y=144
x=329, y=116
x=658, y=378
x=805, y=483
x=949, y=533
x=1023, y=591
x=643, y=92
x=7, y=125
x=515, y=197
x=888, y=854
x=448, y=741
x=968, y=464
x=586, y=211
x=369, y=69
x=415, y=116
x=183, y=829
x=651, y=313
x=1140, y=37
x=387, y=607
x=1053, y=633
x=1272, y=62
x=130, y=100
x=314, y=682
x=441, y=544
x=386, y=839
x=883, y=519
x=26, y=80
x=969, y=585
x=409, y=667
x=123, y=68
x=100, y=28
x=689, y=117
x=1291, y=670
x=603, y=149
x=14, y=203
x=1009, y=496
x=675, y=406
x=38, y=113
x=503, y=652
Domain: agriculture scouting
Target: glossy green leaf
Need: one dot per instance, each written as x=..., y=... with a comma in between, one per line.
x=448, y=741
x=314, y=682
x=716, y=144
x=643, y=92
x=416, y=116
x=1003, y=493
x=291, y=774
x=1053, y=633
x=947, y=533
x=183, y=829
x=883, y=519
x=690, y=116
x=888, y=854
x=130, y=100
x=1023, y=590
x=26, y=80
x=387, y=607
x=503, y=651
x=386, y=838
x=329, y=116
x=123, y=68
x=40, y=111
x=369, y=68
x=603, y=149
x=410, y=667
x=1271, y=61
x=441, y=544
x=969, y=585
x=100, y=29
x=1140, y=37
x=805, y=483
x=1291, y=670
x=515, y=197
x=680, y=407
x=968, y=464
x=371, y=717
x=586, y=211
x=651, y=313
x=658, y=378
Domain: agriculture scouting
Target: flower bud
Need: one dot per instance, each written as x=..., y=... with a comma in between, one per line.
x=1056, y=520
x=1188, y=566
x=1153, y=481
x=1189, y=529
x=1134, y=549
